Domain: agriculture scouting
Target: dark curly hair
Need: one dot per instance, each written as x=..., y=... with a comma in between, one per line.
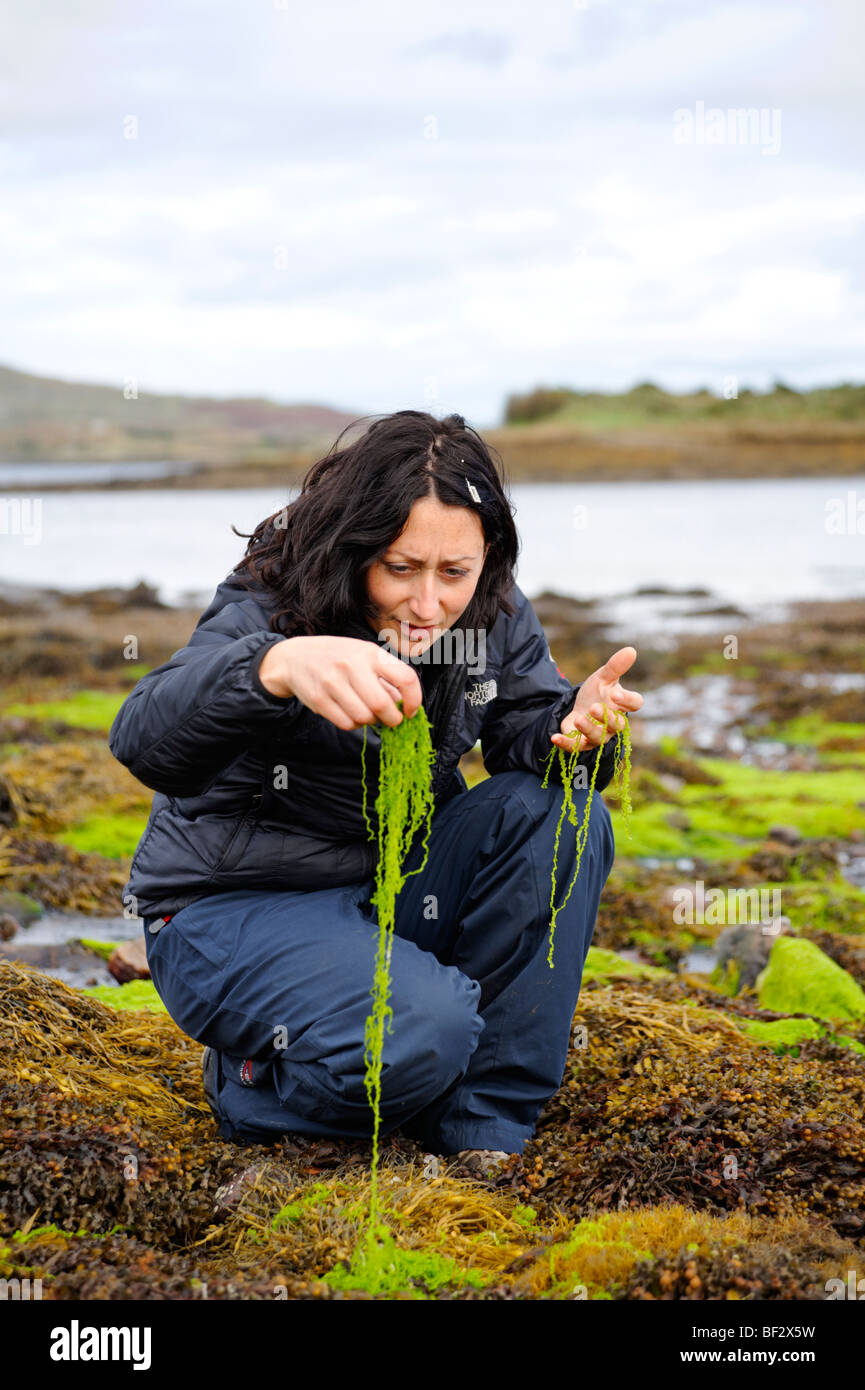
x=314, y=553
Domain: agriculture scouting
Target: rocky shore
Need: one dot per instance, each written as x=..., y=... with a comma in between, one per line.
x=708, y=1139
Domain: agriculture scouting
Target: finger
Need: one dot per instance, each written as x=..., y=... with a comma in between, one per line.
x=582, y=721
x=371, y=690
x=628, y=699
x=406, y=680
x=568, y=742
x=346, y=712
x=614, y=721
x=620, y=662
x=592, y=719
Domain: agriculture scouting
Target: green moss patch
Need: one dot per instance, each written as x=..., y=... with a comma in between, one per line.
x=825, y=906
x=603, y=965
x=138, y=994
x=101, y=948
x=811, y=731
x=389, y=1269
x=86, y=709
x=785, y=1034
x=800, y=978
x=722, y=822
x=113, y=836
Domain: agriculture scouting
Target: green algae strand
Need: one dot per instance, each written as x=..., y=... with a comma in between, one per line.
x=404, y=803
x=622, y=783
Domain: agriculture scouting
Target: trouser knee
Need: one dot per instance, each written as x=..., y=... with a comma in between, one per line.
x=543, y=806
x=444, y=1037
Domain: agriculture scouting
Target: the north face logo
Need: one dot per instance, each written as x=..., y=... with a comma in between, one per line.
x=481, y=693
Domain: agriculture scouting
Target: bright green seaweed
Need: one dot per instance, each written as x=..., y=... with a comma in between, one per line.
x=403, y=804
x=623, y=772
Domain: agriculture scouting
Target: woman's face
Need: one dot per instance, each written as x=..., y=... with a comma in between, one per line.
x=426, y=578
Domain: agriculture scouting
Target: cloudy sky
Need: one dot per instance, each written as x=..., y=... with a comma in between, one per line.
x=377, y=206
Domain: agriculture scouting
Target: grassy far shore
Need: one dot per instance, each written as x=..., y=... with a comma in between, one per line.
x=558, y=433
x=708, y=1138
x=546, y=435
x=781, y=408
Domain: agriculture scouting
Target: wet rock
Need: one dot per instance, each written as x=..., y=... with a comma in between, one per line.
x=8, y=814
x=68, y=961
x=25, y=598
x=229, y=1196
x=785, y=835
x=675, y=896
x=64, y=877
x=8, y=926
x=484, y=1165
x=721, y=610
x=775, y=862
x=746, y=948
x=129, y=961
x=114, y=598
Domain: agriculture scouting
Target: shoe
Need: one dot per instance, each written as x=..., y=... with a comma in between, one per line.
x=482, y=1163
x=210, y=1078
x=229, y=1196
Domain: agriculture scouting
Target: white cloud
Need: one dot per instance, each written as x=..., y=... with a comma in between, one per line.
x=478, y=196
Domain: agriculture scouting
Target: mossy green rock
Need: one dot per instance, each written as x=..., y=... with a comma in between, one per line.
x=99, y=948
x=785, y=1034
x=138, y=994
x=24, y=909
x=726, y=978
x=800, y=978
x=782, y=1034
x=601, y=964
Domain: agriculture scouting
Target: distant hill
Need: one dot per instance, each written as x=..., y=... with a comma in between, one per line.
x=46, y=418
x=559, y=433
x=549, y=434
x=648, y=404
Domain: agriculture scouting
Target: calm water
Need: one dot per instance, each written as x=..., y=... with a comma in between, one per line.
x=15, y=475
x=755, y=543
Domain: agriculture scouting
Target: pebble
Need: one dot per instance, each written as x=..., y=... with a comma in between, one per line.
x=8, y=926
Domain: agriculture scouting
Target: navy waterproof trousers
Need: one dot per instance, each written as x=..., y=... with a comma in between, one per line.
x=278, y=982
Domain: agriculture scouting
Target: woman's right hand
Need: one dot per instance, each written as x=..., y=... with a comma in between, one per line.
x=344, y=679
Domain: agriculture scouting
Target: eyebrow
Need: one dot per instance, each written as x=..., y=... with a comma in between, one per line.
x=416, y=561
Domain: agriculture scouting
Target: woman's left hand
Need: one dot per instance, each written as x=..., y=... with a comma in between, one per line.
x=601, y=688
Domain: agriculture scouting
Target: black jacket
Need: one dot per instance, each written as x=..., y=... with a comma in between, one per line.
x=255, y=791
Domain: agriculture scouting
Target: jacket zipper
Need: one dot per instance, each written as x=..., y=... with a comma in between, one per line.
x=247, y=816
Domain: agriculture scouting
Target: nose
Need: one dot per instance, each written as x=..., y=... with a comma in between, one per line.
x=424, y=603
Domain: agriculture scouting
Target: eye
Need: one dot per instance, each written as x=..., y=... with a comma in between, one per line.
x=452, y=572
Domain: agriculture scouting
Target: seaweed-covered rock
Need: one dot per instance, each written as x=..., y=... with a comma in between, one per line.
x=800, y=978
x=742, y=951
x=668, y=1100
x=679, y=1159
